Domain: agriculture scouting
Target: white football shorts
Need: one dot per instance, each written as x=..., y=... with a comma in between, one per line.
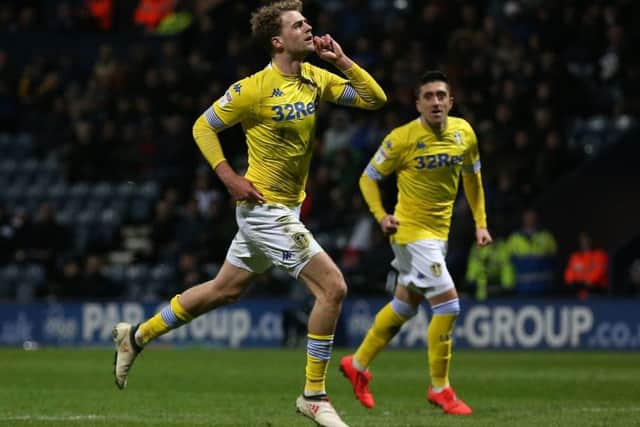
x=421, y=266
x=271, y=234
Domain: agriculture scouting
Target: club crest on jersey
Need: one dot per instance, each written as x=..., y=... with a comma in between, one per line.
x=457, y=137
x=225, y=99
x=436, y=269
x=380, y=156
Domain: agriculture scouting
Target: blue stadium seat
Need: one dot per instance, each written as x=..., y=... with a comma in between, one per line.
x=8, y=167
x=103, y=191
x=8, y=279
x=140, y=210
x=36, y=193
x=125, y=190
x=34, y=273
x=137, y=273
x=149, y=190
x=79, y=191
x=211, y=269
x=162, y=272
x=115, y=272
x=56, y=194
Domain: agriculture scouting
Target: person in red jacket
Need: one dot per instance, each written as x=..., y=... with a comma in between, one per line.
x=587, y=269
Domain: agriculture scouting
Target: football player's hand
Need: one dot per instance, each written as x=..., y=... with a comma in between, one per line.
x=241, y=189
x=483, y=238
x=330, y=50
x=389, y=224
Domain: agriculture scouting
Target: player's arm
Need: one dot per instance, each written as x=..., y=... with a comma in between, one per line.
x=474, y=193
x=359, y=89
x=381, y=165
x=222, y=114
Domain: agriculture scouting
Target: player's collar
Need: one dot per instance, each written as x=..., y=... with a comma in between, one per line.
x=430, y=129
x=275, y=68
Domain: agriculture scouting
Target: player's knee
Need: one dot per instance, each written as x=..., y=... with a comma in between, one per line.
x=402, y=308
x=451, y=306
x=336, y=288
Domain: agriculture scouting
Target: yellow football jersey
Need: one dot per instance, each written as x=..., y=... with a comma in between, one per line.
x=278, y=115
x=428, y=167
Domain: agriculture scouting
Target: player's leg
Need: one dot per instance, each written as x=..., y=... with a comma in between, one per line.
x=227, y=287
x=326, y=283
x=443, y=299
x=386, y=325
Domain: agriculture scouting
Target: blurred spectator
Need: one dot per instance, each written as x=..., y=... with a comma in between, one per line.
x=163, y=231
x=96, y=285
x=7, y=237
x=633, y=281
x=532, y=251
x=204, y=194
x=102, y=12
x=69, y=280
x=338, y=135
x=189, y=271
x=189, y=225
x=149, y=13
x=490, y=271
x=588, y=268
x=47, y=239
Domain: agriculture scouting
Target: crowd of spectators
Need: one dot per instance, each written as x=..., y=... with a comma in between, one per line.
x=120, y=109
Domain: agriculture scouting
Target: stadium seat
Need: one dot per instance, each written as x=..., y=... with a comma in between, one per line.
x=137, y=273
x=163, y=273
x=8, y=167
x=79, y=191
x=115, y=273
x=36, y=193
x=211, y=269
x=8, y=279
x=149, y=190
x=56, y=194
x=140, y=210
x=103, y=191
x=125, y=190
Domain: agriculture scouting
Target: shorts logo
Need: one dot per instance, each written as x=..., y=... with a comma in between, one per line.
x=287, y=255
x=301, y=240
x=436, y=269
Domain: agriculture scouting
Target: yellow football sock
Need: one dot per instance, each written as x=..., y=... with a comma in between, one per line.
x=318, y=355
x=385, y=326
x=170, y=317
x=439, y=339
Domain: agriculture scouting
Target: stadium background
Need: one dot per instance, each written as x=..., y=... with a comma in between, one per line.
x=107, y=209
x=104, y=196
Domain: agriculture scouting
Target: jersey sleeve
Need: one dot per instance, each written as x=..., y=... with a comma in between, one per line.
x=233, y=106
x=471, y=163
x=359, y=89
x=386, y=159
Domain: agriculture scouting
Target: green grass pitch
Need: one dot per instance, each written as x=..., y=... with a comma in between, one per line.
x=216, y=387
